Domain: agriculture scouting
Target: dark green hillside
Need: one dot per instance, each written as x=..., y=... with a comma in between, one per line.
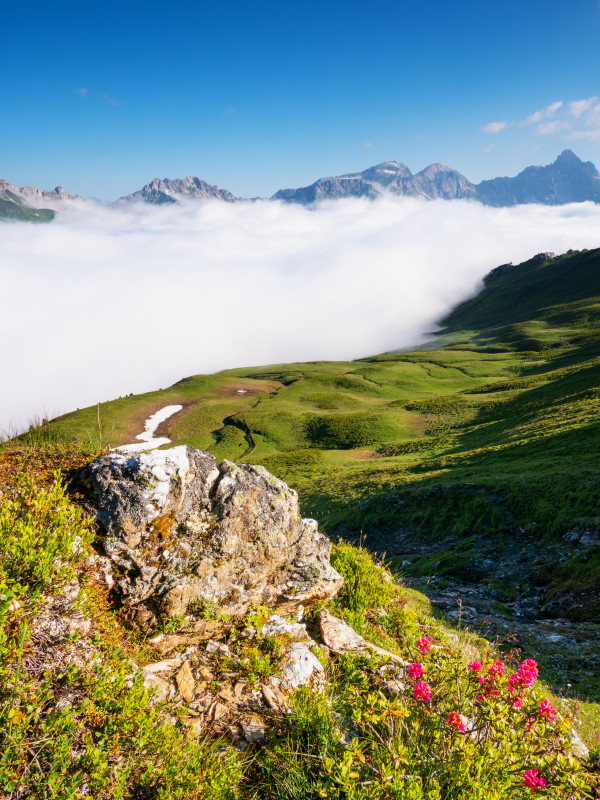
x=489, y=438
x=545, y=297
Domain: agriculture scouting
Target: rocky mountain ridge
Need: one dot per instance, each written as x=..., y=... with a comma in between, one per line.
x=160, y=191
x=567, y=180
x=433, y=182
x=14, y=206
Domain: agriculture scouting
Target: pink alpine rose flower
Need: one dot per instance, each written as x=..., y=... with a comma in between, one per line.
x=14, y=605
x=475, y=666
x=533, y=780
x=453, y=719
x=530, y=665
x=547, y=710
x=422, y=691
x=423, y=644
x=415, y=670
x=496, y=669
x=517, y=702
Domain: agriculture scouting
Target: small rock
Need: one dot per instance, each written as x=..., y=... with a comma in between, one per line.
x=162, y=666
x=185, y=682
x=301, y=667
x=274, y=697
x=220, y=711
x=277, y=626
x=216, y=648
x=238, y=689
x=226, y=694
x=340, y=638
x=392, y=687
x=254, y=729
x=195, y=725
x=160, y=687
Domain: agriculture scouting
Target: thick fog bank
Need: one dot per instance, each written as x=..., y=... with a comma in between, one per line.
x=106, y=301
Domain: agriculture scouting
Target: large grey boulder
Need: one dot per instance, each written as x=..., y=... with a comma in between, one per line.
x=185, y=534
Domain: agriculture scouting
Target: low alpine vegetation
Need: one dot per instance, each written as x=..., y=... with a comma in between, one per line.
x=419, y=718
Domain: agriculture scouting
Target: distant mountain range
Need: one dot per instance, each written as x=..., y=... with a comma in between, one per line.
x=567, y=180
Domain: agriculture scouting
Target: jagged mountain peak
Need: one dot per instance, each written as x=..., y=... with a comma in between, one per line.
x=568, y=157
x=170, y=190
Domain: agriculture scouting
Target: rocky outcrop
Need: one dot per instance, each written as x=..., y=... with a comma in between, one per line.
x=186, y=535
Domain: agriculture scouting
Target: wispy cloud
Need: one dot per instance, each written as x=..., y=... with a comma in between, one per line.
x=83, y=92
x=134, y=296
x=495, y=127
x=111, y=101
x=366, y=145
x=578, y=107
x=553, y=126
x=544, y=113
x=575, y=119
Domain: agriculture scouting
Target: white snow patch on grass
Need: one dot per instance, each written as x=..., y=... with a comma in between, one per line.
x=149, y=442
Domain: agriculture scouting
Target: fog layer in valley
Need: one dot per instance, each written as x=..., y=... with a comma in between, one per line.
x=107, y=301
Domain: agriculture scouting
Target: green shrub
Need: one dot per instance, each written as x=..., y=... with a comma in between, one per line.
x=344, y=431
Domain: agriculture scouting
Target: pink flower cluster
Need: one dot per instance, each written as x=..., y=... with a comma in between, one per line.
x=526, y=675
x=14, y=605
x=422, y=691
x=423, y=644
x=475, y=666
x=415, y=670
x=496, y=669
x=453, y=719
x=546, y=709
x=533, y=780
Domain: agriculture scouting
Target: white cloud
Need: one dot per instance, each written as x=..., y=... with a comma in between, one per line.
x=107, y=301
x=578, y=107
x=554, y=126
x=590, y=135
x=545, y=113
x=487, y=150
x=495, y=127
x=576, y=119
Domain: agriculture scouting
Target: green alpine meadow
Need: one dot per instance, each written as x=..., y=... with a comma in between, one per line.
x=442, y=645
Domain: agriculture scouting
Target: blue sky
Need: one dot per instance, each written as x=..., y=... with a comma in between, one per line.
x=257, y=96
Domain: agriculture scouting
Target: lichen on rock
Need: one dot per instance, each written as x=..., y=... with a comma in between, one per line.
x=182, y=531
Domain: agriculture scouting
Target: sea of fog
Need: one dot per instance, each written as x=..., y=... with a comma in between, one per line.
x=106, y=301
